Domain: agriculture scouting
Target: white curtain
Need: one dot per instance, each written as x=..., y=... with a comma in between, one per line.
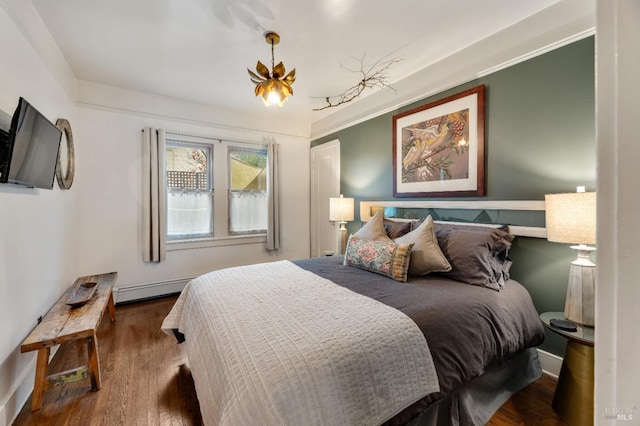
x=273, y=195
x=189, y=213
x=154, y=202
x=248, y=210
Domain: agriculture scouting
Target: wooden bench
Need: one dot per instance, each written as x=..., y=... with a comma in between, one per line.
x=65, y=324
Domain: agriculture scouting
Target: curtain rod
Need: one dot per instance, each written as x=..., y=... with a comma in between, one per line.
x=192, y=135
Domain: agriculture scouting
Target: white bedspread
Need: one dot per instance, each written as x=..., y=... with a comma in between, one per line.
x=274, y=344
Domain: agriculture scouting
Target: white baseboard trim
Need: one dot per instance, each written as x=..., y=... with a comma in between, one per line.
x=550, y=363
x=147, y=290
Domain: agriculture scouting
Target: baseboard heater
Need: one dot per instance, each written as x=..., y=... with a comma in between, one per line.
x=148, y=290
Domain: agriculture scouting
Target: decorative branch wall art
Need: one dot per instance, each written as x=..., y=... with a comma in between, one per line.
x=373, y=76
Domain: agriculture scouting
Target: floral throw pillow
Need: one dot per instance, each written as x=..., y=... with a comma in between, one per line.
x=382, y=257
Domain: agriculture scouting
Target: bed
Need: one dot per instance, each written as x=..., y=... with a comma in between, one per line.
x=351, y=340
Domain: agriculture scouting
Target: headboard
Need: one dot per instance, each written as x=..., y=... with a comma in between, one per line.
x=367, y=207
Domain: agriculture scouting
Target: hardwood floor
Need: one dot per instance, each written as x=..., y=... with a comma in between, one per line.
x=145, y=381
x=144, y=377
x=530, y=406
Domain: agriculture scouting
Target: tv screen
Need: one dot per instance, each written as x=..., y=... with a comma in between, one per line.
x=32, y=149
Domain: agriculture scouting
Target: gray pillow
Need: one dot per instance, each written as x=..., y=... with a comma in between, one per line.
x=478, y=255
x=426, y=255
x=374, y=229
x=395, y=229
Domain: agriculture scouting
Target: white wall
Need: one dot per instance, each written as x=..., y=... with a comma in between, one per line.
x=109, y=183
x=37, y=233
x=48, y=238
x=617, y=347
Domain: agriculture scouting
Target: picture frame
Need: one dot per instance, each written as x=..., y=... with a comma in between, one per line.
x=439, y=148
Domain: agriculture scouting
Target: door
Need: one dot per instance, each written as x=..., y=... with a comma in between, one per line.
x=325, y=183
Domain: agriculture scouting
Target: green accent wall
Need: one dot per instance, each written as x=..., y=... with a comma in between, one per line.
x=540, y=138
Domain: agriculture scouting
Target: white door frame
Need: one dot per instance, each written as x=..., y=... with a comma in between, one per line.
x=325, y=183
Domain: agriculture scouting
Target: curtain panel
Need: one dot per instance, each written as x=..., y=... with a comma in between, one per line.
x=154, y=201
x=273, y=189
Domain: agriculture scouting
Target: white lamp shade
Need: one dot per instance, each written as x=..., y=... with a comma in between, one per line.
x=340, y=209
x=571, y=218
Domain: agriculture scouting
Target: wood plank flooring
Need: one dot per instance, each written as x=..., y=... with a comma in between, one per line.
x=146, y=381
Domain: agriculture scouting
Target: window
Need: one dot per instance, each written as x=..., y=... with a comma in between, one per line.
x=247, y=190
x=215, y=189
x=189, y=190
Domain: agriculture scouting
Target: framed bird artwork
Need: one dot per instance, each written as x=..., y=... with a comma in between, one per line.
x=438, y=148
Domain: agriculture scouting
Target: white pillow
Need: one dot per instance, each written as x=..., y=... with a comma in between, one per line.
x=426, y=255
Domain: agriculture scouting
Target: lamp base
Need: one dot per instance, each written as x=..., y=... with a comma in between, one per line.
x=580, y=303
x=343, y=237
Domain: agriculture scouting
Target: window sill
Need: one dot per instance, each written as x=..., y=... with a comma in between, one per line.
x=216, y=242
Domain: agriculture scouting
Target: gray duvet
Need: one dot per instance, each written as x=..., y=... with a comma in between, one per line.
x=469, y=328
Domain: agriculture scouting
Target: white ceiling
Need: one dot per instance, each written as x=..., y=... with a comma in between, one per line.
x=199, y=50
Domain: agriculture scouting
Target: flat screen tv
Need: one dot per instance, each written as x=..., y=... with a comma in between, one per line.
x=29, y=150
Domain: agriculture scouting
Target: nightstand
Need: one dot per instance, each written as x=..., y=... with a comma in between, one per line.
x=573, y=399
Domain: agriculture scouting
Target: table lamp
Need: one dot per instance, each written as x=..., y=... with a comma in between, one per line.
x=571, y=218
x=341, y=211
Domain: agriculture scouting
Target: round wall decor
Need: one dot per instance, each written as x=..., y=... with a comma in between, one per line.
x=65, y=168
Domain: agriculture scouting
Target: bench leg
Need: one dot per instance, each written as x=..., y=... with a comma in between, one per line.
x=111, y=308
x=94, y=362
x=42, y=365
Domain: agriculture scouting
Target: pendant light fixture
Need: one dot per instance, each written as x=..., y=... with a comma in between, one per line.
x=274, y=86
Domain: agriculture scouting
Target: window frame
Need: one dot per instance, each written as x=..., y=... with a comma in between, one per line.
x=209, y=191
x=219, y=183
x=244, y=147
